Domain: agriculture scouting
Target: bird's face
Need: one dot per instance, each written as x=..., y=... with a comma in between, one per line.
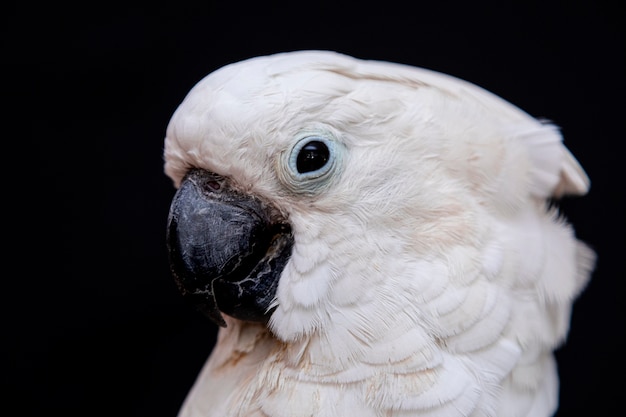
x=302, y=192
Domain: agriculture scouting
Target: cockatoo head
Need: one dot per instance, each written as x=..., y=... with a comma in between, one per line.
x=316, y=190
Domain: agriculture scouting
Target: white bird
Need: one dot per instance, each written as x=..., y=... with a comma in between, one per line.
x=374, y=239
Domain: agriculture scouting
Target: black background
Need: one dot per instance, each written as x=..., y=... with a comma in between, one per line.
x=92, y=321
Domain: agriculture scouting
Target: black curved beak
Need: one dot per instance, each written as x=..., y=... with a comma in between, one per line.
x=226, y=251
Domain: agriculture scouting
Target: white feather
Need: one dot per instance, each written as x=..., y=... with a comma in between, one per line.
x=428, y=277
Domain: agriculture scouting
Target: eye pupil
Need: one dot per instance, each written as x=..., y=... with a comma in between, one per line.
x=312, y=157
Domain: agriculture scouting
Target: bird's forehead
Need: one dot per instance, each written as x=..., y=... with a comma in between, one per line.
x=275, y=93
x=253, y=88
x=244, y=111
x=239, y=105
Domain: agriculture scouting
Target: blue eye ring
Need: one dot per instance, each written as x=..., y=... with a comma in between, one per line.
x=313, y=156
x=310, y=163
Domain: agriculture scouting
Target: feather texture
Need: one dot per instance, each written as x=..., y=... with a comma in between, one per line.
x=428, y=277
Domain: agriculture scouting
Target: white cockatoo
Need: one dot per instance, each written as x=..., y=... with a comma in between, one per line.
x=374, y=239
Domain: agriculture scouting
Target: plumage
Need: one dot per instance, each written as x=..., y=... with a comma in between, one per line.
x=416, y=263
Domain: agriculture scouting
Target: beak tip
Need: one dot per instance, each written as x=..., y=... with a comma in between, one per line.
x=210, y=311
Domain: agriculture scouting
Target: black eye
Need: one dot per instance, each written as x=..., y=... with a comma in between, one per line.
x=312, y=157
x=311, y=162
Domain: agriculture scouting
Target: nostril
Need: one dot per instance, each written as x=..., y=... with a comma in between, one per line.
x=204, y=180
x=213, y=185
